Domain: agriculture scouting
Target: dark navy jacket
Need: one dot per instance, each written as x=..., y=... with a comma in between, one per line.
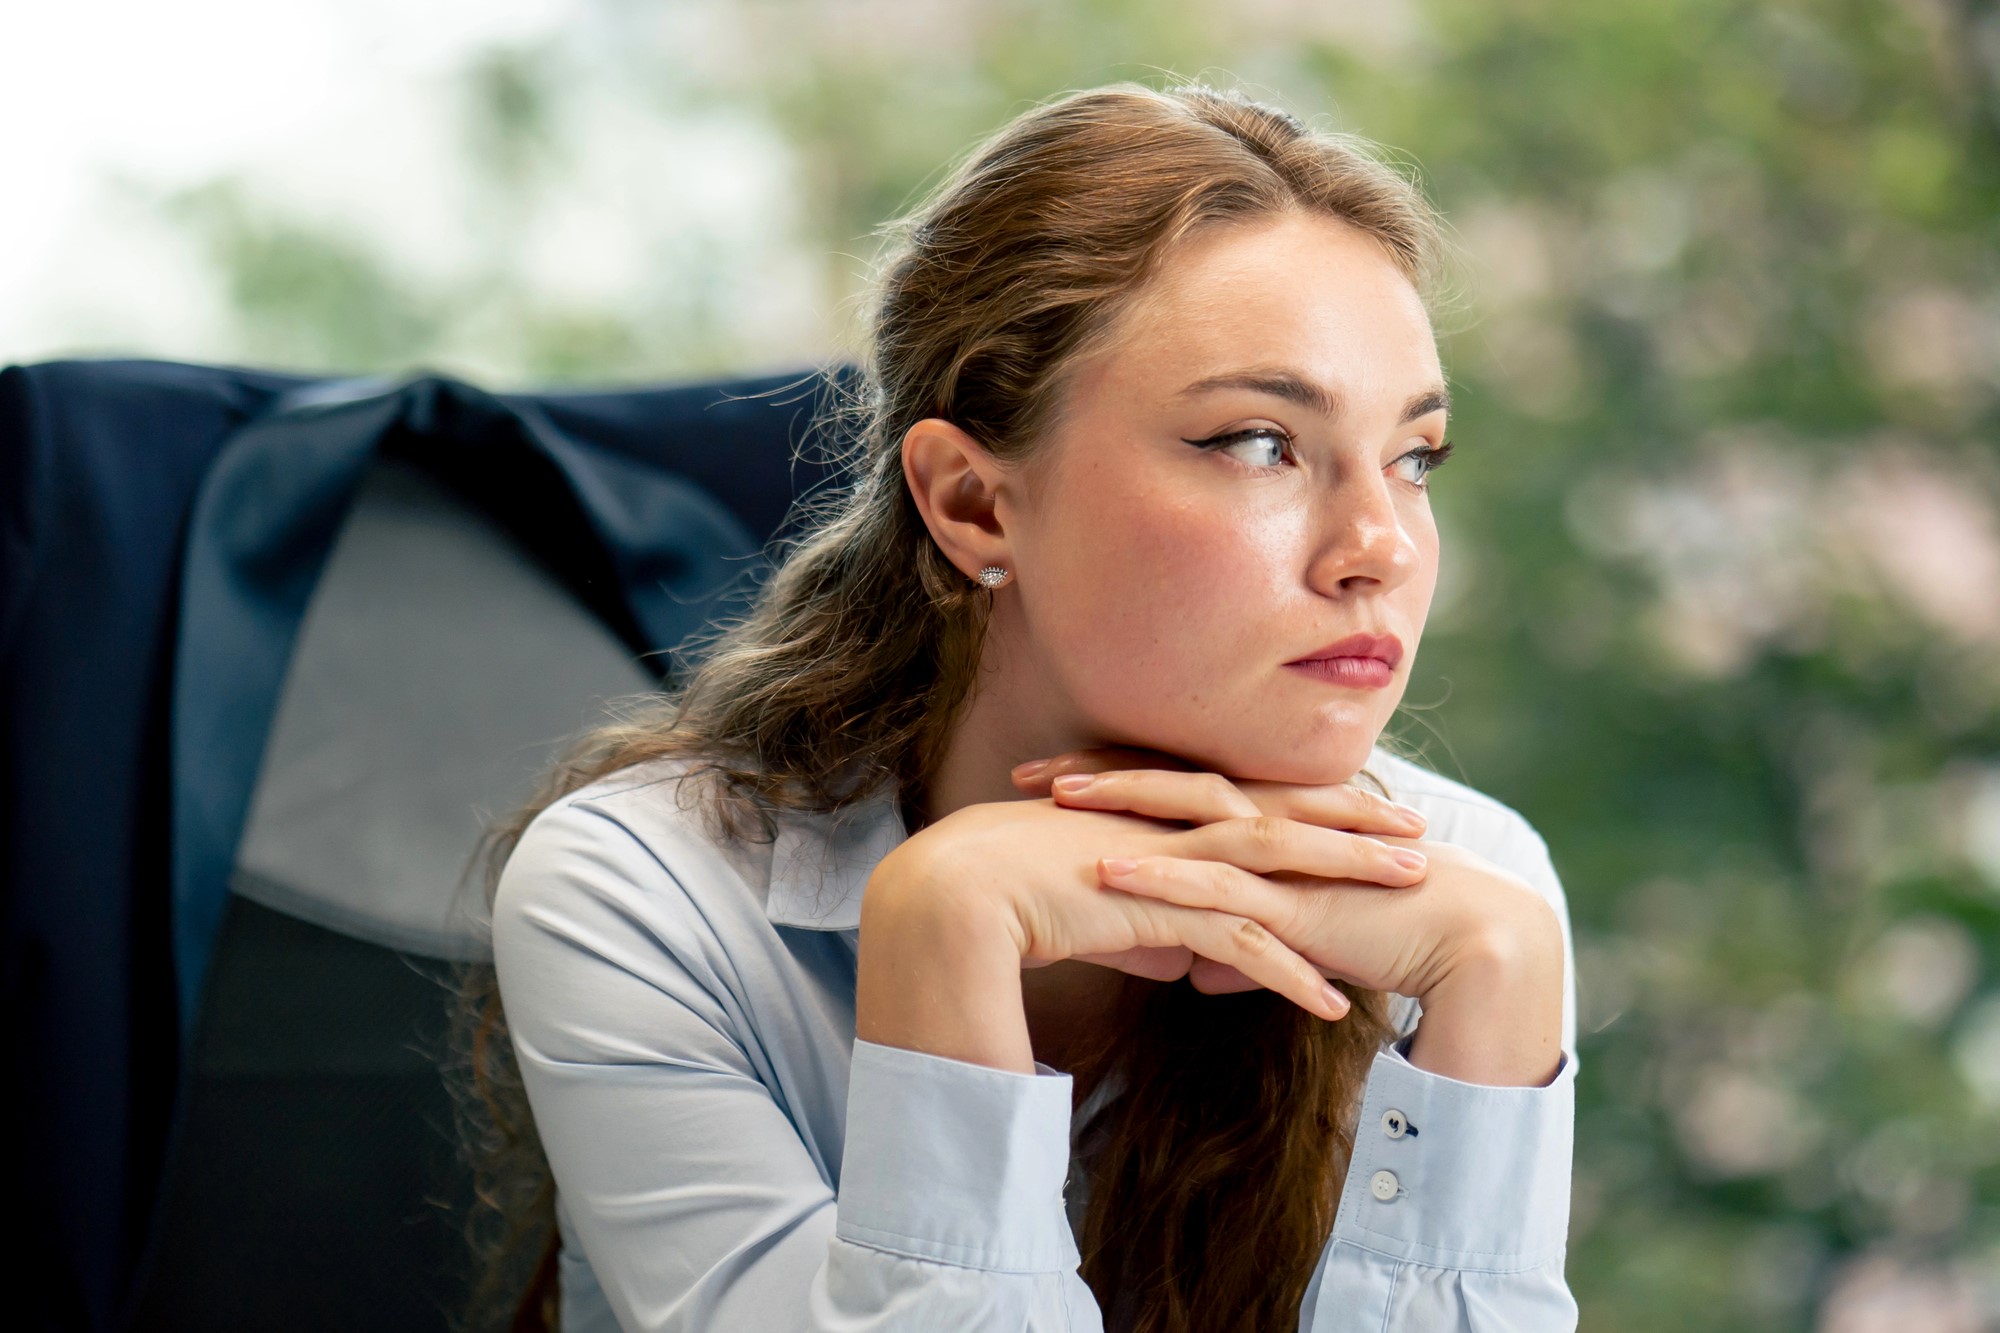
x=162, y=527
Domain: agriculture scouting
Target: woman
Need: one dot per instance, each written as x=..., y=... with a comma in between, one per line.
x=827, y=1012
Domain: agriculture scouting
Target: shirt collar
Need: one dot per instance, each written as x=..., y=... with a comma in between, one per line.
x=820, y=862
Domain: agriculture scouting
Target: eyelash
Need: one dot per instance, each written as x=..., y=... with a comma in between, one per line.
x=1434, y=455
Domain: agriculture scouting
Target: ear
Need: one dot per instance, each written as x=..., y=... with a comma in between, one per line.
x=956, y=485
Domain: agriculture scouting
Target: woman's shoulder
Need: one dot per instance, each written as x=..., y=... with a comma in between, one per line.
x=641, y=834
x=617, y=915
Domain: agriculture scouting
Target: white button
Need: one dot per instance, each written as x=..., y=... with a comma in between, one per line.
x=1395, y=1124
x=1383, y=1185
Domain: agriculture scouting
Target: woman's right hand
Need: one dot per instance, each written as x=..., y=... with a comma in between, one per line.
x=1028, y=868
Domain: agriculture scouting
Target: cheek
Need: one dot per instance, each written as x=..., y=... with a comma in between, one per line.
x=1159, y=596
x=1422, y=586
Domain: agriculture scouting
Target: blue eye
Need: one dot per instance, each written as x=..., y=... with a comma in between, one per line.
x=1431, y=457
x=1268, y=438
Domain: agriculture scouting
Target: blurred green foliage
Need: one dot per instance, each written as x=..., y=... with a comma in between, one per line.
x=1721, y=611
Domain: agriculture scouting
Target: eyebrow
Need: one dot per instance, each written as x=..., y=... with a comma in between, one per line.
x=1294, y=387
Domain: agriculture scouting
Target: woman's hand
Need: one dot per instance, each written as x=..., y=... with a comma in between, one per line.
x=1027, y=871
x=1250, y=854
x=954, y=912
x=1331, y=805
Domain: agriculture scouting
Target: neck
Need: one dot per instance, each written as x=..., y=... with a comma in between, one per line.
x=1012, y=717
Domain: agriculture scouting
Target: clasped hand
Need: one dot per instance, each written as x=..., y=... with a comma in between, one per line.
x=1266, y=884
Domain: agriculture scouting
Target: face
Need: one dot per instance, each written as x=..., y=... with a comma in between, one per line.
x=1235, y=483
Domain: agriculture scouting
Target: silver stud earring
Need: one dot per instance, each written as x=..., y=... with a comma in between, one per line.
x=993, y=575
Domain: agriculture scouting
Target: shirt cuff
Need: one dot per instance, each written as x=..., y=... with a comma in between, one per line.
x=957, y=1162
x=1456, y=1174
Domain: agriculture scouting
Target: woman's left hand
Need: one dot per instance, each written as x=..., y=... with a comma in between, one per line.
x=1160, y=786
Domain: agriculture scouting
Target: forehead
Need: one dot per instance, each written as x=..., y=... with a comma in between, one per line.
x=1300, y=290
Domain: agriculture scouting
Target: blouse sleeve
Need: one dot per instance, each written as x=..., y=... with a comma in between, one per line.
x=1454, y=1216
x=697, y=1201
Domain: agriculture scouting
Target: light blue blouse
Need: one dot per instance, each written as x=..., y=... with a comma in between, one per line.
x=730, y=1158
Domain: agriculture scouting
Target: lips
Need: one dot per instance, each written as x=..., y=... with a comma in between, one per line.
x=1386, y=648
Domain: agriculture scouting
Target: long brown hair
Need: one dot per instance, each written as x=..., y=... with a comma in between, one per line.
x=1214, y=1174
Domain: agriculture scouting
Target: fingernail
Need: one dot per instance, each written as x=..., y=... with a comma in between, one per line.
x=1119, y=867
x=1411, y=859
x=1412, y=816
x=1073, y=782
x=1029, y=769
x=1335, y=1001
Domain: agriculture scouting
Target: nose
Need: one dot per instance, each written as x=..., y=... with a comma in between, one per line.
x=1361, y=537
